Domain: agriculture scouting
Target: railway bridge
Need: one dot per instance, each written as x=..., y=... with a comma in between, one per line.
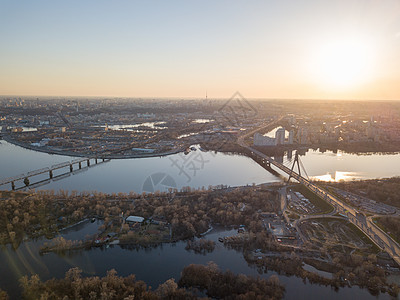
x=78, y=164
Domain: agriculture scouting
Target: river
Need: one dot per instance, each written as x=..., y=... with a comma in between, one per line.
x=196, y=169
x=154, y=266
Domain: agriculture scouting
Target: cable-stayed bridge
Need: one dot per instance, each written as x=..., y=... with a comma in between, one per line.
x=365, y=224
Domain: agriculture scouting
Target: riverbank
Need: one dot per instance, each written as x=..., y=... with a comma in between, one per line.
x=47, y=150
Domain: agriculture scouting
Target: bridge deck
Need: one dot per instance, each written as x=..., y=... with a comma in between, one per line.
x=42, y=170
x=377, y=235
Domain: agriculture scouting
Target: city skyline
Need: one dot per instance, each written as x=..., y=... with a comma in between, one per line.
x=264, y=49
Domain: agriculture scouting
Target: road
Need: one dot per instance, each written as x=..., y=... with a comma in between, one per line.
x=366, y=225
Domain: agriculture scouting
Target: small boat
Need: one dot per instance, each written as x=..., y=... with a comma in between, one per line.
x=93, y=220
x=221, y=239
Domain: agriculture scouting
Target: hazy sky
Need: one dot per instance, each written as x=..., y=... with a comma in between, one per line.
x=264, y=49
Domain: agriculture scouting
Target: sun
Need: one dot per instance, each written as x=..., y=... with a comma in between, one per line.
x=343, y=64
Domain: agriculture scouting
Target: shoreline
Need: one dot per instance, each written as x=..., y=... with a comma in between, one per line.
x=8, y=139
x=326, y=147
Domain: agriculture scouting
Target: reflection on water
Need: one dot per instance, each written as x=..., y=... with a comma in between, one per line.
x=201, y=121
x=152, y=265
x=197, y=169
x=132, y=127
x=272, y=133
x=339, y=165
x=186, y=135
x=339, y=176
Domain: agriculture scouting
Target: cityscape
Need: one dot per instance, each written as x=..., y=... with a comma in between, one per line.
x=200, y=151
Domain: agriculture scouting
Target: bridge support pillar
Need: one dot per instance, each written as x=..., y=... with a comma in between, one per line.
x=12, y=185
x=88, y=162
x=51, y=174
x=71, y=168
x=80, y=165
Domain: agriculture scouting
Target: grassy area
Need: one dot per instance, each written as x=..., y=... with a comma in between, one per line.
x=380, y=190
x=293, y=216
x=362, y=236
x=317, y=201
x=147, y=234
x=390, y=225
x=340, y=234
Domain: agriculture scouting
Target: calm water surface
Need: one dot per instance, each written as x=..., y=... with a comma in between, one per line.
x=154, y=266
x=197, y=169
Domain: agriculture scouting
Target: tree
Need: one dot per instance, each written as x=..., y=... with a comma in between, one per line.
x=3, y=295
x=167, y=289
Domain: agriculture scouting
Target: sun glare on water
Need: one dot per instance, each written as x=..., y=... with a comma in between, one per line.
x=343, y=64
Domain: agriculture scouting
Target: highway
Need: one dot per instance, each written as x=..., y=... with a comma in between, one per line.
x=366, y=225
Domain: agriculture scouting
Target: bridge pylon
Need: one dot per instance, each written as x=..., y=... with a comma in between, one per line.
x=299, y=164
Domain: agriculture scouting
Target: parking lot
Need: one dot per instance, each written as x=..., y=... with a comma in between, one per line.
x=300, y=204
x=366, y=204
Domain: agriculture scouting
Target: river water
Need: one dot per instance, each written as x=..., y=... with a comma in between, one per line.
x=196, y=169
x=154, y=266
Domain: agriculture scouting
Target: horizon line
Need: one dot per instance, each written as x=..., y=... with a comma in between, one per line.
x=196, y=98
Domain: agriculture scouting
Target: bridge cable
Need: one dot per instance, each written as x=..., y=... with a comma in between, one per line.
x=304, y=169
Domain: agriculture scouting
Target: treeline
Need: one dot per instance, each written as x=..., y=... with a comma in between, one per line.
x=190, y=212
x=209, y=279
x=346, y=269
x=202, y=246
x=3, y=295
x=226, y=285
x=380, y=190
x=45, y=212
x=61, y=245
x=261, y=240
x=74, y=286
x=356, y=269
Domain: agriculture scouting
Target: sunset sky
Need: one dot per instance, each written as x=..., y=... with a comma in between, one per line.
x=344, y=49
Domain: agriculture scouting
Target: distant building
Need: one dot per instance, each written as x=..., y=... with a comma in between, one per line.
x=261, y=140
x=303, y=136
x=146, y=115
x=280, y=136
x=291, y=135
